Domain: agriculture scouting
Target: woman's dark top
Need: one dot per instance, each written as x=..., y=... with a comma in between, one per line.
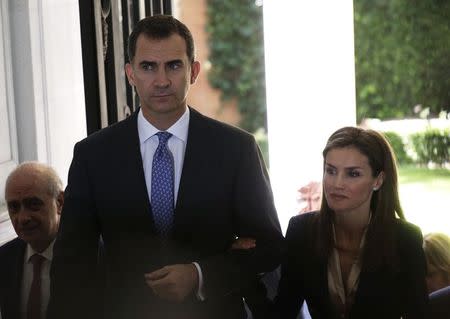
x=382, y=292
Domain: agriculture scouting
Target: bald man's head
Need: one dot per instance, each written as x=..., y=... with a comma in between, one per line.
x=34, y=196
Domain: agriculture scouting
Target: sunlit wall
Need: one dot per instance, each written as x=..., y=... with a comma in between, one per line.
x=310, y=78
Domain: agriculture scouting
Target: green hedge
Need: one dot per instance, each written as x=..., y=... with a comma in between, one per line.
x=398, y=146
x=432, y=145
x=263, y=143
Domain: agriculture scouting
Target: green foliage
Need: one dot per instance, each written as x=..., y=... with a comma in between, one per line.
x=438, y=178
x=263, y=143
x=432, y=145
x=398, y=147
x=235, y=31
x=402, y=50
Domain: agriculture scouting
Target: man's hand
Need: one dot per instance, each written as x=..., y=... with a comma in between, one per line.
x=174, y=282
x=244, y=243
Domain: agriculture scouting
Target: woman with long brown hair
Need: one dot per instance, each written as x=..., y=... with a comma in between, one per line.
x=357, y=257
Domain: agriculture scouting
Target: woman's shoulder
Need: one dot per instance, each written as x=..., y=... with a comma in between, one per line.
x=304, y=220
x=302, y=235
x=407, y=230
x=303, y=227
x=409, y=239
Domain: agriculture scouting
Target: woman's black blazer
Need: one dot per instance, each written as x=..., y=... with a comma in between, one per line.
x=382, y=293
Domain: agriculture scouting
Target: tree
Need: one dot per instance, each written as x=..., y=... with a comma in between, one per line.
x=402, y=50
x=236, y=46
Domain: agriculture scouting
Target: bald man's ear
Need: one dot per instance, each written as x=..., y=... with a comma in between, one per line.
x=60, y=201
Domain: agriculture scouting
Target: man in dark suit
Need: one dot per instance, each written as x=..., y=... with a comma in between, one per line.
x=34, y=199
x=167, y=190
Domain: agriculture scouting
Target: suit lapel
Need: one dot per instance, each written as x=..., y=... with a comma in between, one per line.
x=317, y=294
x=370, y=284
x=133, y=171
x=191, y=158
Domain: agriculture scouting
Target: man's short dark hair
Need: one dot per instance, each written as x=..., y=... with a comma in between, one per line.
x=161, y=27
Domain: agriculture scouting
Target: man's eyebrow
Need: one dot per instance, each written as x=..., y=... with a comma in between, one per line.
x=146, y=62
x=32, y=198
x=174, y=61
x=26, y=202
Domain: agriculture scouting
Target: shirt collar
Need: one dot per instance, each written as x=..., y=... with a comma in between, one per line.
x=47, y=253
x=179, y=129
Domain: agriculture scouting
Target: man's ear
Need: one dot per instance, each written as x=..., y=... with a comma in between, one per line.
x=195, y=70
x=130, y=73
x=60, y=202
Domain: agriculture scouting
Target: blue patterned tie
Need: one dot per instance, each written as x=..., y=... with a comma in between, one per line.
x=162, y=186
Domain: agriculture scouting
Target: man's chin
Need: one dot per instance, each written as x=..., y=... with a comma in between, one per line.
x=165, y=109
x=29, y=235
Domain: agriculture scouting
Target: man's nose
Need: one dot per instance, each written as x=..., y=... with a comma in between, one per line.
x=23, y=216
x=162, y=78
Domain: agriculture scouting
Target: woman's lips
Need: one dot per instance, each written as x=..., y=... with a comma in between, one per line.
x=336, y=196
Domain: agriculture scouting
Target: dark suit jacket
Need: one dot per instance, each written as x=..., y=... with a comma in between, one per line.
x=224, y=191
x=381, y=293
x=440, y=304
x=11, y=270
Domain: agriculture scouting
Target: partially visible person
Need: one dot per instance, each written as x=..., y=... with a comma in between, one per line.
x=34, y=198
x=437, y=253
x=357, y=257
x=309, y=197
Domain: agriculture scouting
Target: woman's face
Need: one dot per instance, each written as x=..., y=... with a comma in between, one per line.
x=348, y=181
x=436, y=279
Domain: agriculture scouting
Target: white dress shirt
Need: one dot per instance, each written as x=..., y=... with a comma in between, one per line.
x=27, y=279
x=177, y=145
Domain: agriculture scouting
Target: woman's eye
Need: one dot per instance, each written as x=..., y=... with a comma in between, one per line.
x=354, y=174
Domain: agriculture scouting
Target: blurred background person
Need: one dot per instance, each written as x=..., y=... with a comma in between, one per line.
x=310, y=196
x=437, y=253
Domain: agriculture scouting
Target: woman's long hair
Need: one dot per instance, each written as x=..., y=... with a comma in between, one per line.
x=384, y=205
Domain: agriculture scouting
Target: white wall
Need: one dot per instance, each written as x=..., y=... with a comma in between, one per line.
x=48, y=80
x=8, y=133
x=310, y=89
x=41, y=86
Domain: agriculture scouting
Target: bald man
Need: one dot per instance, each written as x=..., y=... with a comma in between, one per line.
x=34, y=197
